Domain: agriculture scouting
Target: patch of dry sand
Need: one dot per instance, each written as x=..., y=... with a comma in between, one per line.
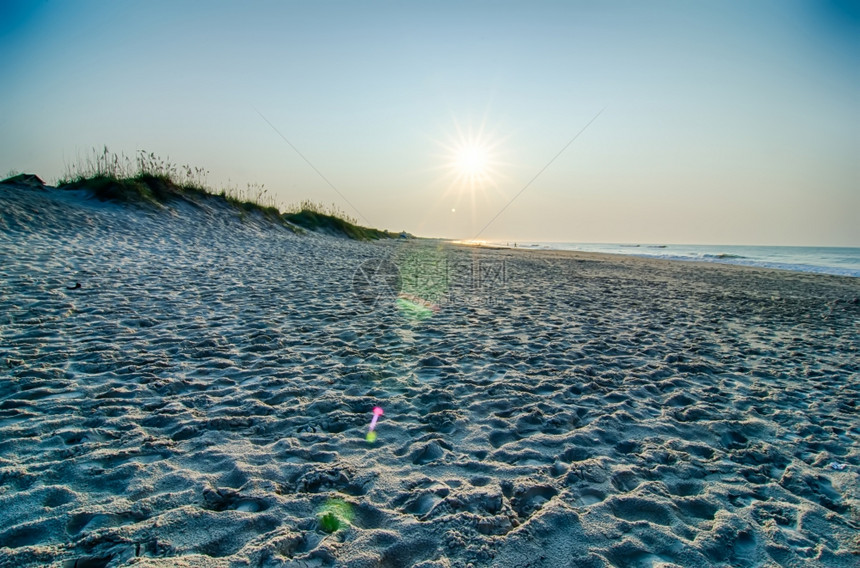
x=203, y=398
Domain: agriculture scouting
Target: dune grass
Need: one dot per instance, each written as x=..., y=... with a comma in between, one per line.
x=145, y=179
x=317, y=217
x=151, y=180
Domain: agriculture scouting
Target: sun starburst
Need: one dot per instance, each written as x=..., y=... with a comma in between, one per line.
x=471, y=165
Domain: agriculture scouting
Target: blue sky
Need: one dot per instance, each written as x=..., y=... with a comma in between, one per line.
x=724, y=122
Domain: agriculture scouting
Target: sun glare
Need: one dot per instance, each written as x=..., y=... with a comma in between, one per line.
x=471, y=165
x=471, y=160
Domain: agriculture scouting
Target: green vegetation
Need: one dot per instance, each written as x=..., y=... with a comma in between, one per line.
x=316, y=217
x=145, y=179
x=150, y=180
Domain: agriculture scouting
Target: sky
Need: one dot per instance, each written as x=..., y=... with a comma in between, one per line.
x=579, y=121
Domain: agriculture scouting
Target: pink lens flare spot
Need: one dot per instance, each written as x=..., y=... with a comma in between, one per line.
x=377, y=412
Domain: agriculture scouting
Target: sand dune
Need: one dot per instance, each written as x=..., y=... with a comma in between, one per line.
x=203, y=399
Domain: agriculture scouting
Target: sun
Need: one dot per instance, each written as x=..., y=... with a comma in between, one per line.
x=472, y=160
x=471, y=164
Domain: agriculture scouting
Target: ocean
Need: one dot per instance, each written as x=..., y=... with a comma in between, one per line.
x=842, y=261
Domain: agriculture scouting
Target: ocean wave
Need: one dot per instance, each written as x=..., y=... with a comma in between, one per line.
x=838, y=261
x=723, y=256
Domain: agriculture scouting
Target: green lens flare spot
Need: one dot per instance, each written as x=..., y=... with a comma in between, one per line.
x=371, y=436
x=329, y=522
x=335, y=515
x=414, y=309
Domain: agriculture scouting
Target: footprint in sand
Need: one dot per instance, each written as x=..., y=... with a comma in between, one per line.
x=224, y=499
x=625, y=481
x=697, y=508
x=527, y=501
x=432, y=451
x=588, y=497
x=639, y=509
x=421, y=505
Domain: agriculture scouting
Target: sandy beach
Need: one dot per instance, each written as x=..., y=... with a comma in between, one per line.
x=194, y=387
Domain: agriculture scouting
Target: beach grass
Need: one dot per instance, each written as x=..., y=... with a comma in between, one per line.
x=148, y=179
x=317, y=217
